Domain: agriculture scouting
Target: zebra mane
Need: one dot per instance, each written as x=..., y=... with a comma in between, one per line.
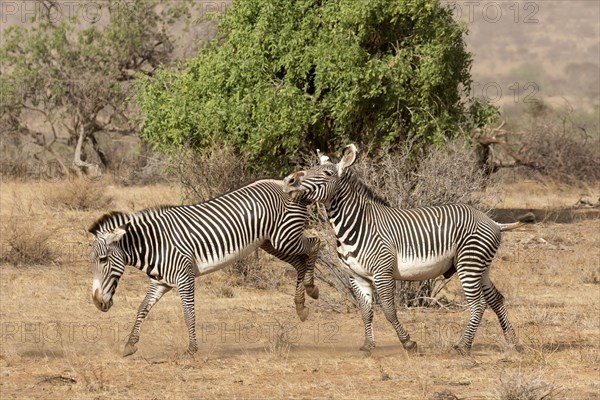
x=109, y=221
x=363, y=189
x=117, y=218
x=242, y=185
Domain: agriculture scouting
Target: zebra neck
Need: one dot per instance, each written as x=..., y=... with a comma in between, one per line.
x=346, y=212
x=133, y=254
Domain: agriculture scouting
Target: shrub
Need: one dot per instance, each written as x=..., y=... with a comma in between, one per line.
x=442, y=175
x=27, y=245
x=563, y=157
x=557, y=142
x=290, y=76
x=207, y=175
x=520, y=386
x=79, y=194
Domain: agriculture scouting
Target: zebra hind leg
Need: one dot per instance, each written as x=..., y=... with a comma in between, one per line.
x=471, y=283
x=153, y=294
x=495, y=300
x=186, y=293
x=363, y=292
x=385, y=287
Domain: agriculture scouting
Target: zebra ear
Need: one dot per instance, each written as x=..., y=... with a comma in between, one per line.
x=348, y=159
x=116, y=234
x=323, y=158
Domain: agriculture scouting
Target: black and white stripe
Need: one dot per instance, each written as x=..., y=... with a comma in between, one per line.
x=379, y=244
x=175, y=244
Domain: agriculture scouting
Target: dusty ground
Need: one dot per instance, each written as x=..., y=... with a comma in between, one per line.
x=55, y=344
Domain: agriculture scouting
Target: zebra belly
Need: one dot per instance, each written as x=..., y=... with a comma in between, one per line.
x=419, y=269
x=205, y=265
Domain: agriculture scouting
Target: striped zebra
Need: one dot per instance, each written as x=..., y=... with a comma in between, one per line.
x=379, y=244
x=175, y=244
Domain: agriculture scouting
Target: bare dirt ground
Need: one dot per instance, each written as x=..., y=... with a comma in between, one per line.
x=56, y=344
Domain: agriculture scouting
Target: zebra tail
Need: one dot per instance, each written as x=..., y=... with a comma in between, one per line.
x=528, y=218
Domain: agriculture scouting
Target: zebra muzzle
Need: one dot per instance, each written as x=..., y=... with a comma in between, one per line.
x=99, y=303
x=292, y=180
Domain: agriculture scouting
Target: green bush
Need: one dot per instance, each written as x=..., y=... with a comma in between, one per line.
x=285, y=77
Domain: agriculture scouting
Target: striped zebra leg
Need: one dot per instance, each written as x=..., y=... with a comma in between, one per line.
x=385, y=286
x=470, y=276
x=312, y=244
x=496, y=301
x=363, y=291
x=186, y=292
x=305, y=274
x=153, y=294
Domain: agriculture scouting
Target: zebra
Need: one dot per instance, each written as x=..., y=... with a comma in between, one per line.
x=175, y=244
x=379, y=244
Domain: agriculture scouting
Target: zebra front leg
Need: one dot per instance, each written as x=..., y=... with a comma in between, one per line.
x=186, y=289
x=363, y=291
x=299, y=262
x=155, y=291
x=299, y=299
x=385, y=286
x=309, y=278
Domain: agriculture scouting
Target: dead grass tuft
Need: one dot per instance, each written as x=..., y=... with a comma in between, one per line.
x=94, y=380
x=521, y=386
x=27, y=245
x=224, y=292
x=259, y=270
x=591, y=275
x=79, y=194
x=279, y=342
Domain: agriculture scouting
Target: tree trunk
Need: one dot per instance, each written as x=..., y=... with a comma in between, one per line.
x=78, y=163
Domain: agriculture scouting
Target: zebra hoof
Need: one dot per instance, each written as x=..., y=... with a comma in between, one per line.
x=312, y=291
x=189, y=353
x=462, y=350
x=303, y=313
x=367, y=347
x=130, y=348
x=516, y=347
x=410, y=346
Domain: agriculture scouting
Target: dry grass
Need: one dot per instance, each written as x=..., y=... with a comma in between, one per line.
x=26, y=244
x=80, y=194
x=56, y=344
x=540, y=193
x=522, y=386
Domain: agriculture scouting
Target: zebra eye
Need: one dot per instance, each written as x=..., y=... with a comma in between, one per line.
x=328, y=172
x=103, y=259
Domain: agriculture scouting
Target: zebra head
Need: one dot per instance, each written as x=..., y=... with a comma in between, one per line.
x=319, y=183
x=107, y=259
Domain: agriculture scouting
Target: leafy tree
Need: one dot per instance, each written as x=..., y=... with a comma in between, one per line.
x=75, y=71
x=287, y=76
